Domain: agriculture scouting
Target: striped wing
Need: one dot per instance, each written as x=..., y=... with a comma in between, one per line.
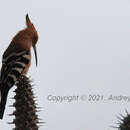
x=13, y=64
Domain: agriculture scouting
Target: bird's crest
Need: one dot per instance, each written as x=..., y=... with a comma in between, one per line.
x=29, y=23
x=31, y=27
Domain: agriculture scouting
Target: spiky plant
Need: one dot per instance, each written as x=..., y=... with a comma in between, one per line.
x=124, y=122
x=25, y=106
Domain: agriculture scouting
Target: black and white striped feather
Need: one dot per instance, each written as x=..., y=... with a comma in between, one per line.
x=14, y=62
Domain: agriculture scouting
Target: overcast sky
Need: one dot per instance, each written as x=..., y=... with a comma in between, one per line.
x=83, y=49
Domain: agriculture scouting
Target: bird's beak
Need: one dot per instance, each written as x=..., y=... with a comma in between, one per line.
x=35, y=52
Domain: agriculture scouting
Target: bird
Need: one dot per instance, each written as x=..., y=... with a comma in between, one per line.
x=16, y=60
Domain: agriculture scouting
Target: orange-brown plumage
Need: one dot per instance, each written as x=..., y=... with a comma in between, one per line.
x=28, y=37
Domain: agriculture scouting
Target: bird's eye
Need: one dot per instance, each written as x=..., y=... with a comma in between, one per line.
x=35, y=38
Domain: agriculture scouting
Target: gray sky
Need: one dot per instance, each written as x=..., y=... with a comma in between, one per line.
x=83, y=49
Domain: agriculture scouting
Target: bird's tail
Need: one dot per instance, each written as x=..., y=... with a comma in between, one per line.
x=4, y=93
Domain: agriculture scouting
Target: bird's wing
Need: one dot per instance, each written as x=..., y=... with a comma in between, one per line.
x=13, y=63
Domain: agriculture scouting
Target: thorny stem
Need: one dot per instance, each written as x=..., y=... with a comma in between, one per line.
x=124, y=122
x=25, y=107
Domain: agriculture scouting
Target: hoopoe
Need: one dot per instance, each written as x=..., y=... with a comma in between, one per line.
x=16, y=60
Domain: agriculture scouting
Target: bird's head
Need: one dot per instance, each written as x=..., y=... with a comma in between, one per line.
x=34, y=35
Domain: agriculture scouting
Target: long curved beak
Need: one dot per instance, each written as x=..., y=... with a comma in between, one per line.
x=35, y=52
